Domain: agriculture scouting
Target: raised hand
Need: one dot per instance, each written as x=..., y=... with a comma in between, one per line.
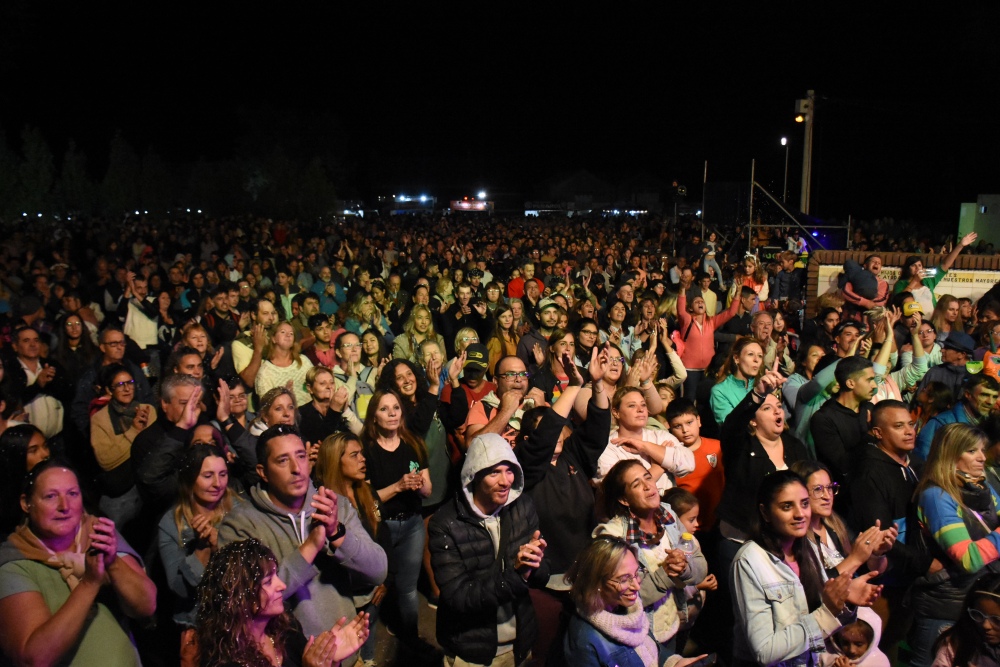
x=324, y=504
x=771, y=379
x=339, y=400
x=222, y=411
x=202, y=525
x=455, y=368
x=969, y=239
x=600, y=360
x=189, y=417
x=529, y=555
x=570, y=369
x=861, y=592
x=539, y=353
x=104, y=539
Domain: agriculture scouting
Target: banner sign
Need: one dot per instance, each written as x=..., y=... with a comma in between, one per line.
x=971, y=283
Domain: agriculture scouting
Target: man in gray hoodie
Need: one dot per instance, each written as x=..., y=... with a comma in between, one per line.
x=324, y=553
x=486, y=551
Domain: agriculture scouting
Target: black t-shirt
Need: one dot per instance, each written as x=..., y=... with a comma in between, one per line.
x=385, y=468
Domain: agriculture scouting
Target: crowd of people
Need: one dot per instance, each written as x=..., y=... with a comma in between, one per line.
x=580, y=441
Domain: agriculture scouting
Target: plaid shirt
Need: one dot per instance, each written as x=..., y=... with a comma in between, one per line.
x=636, y=535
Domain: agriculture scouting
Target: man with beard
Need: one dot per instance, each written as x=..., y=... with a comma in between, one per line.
x=248, y=348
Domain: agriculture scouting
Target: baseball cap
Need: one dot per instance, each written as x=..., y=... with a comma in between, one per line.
x=911, y=308
x=477, y=356
x=960, y=341
x=546, y=303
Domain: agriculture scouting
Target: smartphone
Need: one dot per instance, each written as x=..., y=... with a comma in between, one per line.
x=707, y=661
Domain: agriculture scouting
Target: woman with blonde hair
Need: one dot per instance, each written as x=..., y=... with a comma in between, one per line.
x=609, y=626
x=956, y=519
x=188, y=534
x=277, y=406
x=946, y=316
x=737, y=376
x=418, y=328
x=284, y=363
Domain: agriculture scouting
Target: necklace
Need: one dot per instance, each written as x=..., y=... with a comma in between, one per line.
x=278, y=659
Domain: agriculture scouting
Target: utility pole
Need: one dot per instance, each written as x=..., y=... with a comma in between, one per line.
x=806, y=110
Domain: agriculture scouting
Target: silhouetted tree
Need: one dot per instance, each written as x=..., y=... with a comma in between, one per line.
x=120, y=188
x=36, y=173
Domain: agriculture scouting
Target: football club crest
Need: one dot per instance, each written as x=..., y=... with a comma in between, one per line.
x=713, y=460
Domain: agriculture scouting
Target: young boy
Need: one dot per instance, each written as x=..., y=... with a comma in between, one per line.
x=708, y=478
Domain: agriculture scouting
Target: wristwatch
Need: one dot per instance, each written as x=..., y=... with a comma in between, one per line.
x=340, y=532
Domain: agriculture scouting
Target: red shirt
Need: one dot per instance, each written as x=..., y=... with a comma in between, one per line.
x=706, y=481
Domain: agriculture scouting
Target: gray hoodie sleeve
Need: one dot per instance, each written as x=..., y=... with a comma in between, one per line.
x=293, y=569
x=358, y=552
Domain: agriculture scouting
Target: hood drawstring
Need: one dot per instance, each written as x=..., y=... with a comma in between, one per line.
x=301, y=527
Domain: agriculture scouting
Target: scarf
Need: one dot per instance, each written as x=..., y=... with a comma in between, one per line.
x=71, y=564
x=122, y=415
x=630, y=629
x=645, y=540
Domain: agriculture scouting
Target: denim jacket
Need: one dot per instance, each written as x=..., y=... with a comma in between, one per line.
x=774, y=625
x=585, y=646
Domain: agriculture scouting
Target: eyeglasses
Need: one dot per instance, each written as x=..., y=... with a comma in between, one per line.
x=589, y=332
x=466, y=339
x=979, y=618
x=115, y=343
x=125, y=383
x=510, y=375
x=237, y=397
x=626, y=581
x=350, y=345
x=616, y=361
x=492, y=290
x=75, y=325
x=820, y=491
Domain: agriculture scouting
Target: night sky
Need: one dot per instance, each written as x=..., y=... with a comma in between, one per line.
x=476, y=95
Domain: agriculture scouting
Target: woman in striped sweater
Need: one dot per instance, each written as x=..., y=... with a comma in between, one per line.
x=957, y=518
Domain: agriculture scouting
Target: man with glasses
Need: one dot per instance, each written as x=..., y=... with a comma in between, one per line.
x=487, y=553
x=500, y=412
x=112, y=345
x=880, y=488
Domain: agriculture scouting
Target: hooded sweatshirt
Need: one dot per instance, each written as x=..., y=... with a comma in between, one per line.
x=318, y=593
x=873, y=657
x=485, y=609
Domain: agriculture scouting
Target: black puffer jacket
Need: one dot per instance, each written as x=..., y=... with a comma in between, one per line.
x=474, y=582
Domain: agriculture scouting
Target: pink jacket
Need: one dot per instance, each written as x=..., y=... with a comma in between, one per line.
x=699, y=341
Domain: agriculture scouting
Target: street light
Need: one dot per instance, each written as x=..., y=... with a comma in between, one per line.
x=784, y=190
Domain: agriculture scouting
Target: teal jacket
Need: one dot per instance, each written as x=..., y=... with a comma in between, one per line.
x=726, y=395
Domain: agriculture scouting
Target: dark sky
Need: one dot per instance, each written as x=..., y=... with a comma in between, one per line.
x=483, y=95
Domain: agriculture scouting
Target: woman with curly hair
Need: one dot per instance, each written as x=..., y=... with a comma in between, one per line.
x=242, y=620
